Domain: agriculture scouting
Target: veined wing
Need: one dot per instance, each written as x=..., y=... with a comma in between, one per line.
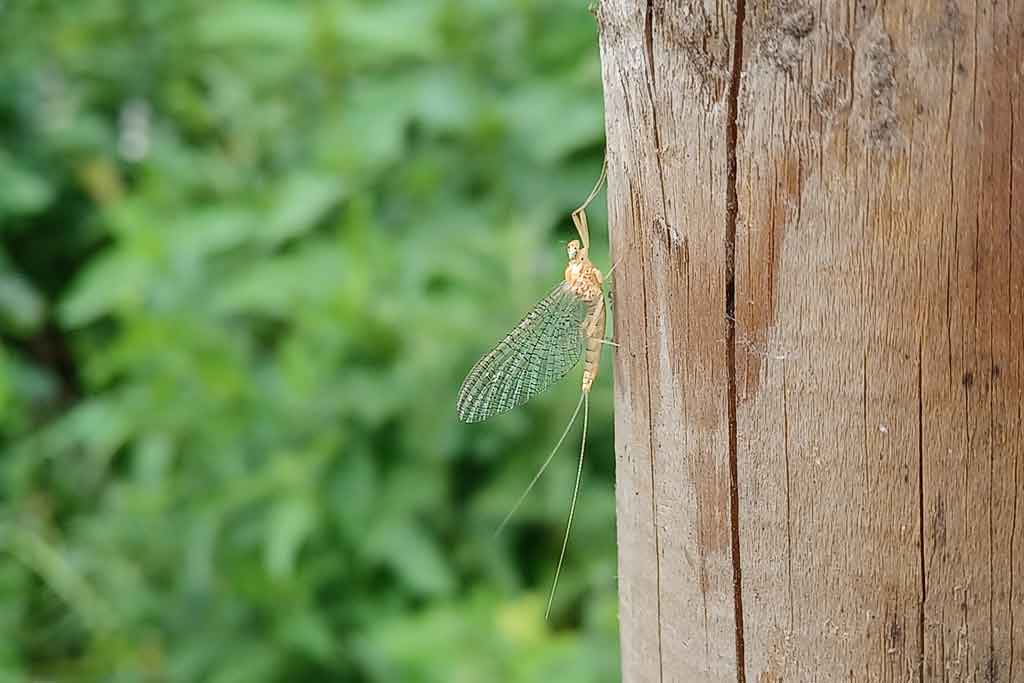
x=538, y=352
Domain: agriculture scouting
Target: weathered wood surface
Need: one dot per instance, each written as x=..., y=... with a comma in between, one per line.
x=821, y=311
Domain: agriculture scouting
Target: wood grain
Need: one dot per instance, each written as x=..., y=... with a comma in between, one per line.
x=821, y=311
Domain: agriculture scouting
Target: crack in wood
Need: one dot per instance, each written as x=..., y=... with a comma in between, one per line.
x=731, y=210
x=920, y=504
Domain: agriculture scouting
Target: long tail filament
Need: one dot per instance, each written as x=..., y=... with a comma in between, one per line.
x=543, y=467
x=572, y=506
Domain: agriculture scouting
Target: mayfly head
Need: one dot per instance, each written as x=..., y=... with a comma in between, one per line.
x=575, y=249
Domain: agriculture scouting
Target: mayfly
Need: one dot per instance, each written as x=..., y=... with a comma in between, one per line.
x=546, y=344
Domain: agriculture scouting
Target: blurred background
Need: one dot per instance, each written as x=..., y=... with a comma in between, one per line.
x=248, y=251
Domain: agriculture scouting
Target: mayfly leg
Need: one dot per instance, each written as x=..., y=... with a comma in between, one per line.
x=610, y=285
x=579, y=216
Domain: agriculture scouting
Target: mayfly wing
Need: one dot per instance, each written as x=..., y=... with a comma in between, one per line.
x=539, y=351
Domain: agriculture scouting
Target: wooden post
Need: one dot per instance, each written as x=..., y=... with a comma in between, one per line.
x=820, y=303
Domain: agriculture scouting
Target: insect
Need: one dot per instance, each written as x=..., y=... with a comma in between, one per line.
x=546, y=344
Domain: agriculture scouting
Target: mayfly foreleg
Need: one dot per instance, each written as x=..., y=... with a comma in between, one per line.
x=579, y=216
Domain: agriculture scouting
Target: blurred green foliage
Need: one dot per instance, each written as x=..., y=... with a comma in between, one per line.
x=248, y=249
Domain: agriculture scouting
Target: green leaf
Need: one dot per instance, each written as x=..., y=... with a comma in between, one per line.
x=259, y=24
x=308, y=633
x=291, y=522
x=390, y=30
x=21, y=190
x=412, y=554
x=304, y=199
x=21, y=306
x=112, y=281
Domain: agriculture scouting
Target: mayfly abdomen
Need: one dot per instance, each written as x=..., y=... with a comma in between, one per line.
x=594, y=334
